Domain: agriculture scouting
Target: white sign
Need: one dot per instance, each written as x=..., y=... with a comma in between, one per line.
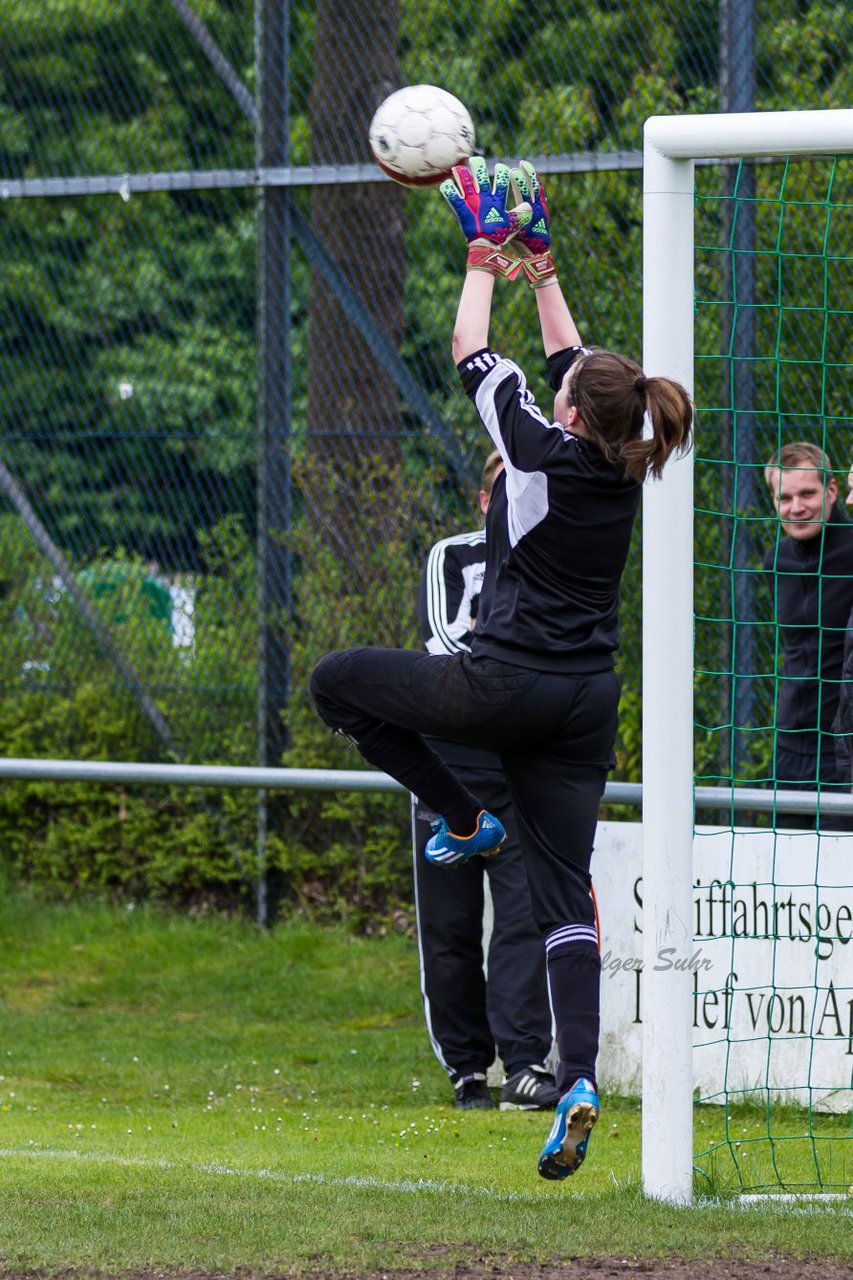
x=772, y=964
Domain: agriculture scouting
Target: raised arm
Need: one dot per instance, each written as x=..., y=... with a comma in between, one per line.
x=555, y=319
x=532, y=244
x=471, y=330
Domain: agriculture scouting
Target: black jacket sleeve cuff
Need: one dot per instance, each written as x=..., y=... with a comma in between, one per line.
x=560, y=361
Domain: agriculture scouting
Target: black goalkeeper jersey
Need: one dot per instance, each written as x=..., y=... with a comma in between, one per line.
x=558, y=529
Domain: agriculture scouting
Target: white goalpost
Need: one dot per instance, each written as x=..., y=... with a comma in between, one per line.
x=672, y=145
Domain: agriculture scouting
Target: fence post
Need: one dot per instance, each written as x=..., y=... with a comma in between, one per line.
x=274, y=479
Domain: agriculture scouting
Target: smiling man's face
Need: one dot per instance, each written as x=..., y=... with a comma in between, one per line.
x=802, y=501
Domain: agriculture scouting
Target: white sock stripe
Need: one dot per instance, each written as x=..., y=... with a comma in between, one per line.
x=565, y=942
x=570, y=928
x=578, y=930
x=571, y=933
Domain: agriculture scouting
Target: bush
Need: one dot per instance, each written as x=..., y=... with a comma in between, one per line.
x=61, y=697
x=347, y=856
x=159, y=843
x=333, y=856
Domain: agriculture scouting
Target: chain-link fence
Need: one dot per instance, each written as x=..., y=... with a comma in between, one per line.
x=231, y=425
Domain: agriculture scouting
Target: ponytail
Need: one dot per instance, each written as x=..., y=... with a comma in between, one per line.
x=613, y=396
x=671, y=414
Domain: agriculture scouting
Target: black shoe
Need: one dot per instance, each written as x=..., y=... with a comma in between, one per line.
x=472, y=1094
x=530, y=1089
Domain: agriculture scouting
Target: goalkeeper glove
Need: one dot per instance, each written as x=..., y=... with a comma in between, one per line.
x=487, y=224
x=532, y=244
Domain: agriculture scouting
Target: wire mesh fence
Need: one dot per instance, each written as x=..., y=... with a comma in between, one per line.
x=230, y=422
x=773, y=366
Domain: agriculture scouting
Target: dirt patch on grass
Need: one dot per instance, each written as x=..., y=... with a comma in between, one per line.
x=621, y=1269
x=777, y=1267
x=647, y=1268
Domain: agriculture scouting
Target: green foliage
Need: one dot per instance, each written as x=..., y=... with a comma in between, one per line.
x=334, y=857
x=348, y=856
x=128, y=400
x=128, y=843
x=47, y=647
x=60, y=697
x=121, y=359
x=806, y=52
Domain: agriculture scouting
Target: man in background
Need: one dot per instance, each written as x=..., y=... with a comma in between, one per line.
x=810, y=570
x=843, y=725
x=469, y=1013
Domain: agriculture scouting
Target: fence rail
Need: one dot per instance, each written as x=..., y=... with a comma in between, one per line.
x=739, y=800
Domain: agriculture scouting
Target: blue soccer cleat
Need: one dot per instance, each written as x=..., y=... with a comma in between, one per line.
x=444, y=849
x=565, y=1148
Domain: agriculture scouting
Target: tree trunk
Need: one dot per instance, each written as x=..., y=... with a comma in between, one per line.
x=354, y=415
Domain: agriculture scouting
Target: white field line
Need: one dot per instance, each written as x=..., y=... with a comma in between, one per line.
x=418, y=1185
x=804, y=1204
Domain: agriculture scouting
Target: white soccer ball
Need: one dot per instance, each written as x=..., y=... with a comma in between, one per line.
x=419, y=133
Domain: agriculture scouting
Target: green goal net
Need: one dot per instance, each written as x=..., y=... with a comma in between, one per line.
x=773, y=883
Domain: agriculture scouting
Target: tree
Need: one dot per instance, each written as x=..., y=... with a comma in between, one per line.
x=354, y=419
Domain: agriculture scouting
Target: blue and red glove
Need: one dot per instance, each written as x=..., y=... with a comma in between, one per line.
x=528, y=186
x=533, y=241
x=487, y=224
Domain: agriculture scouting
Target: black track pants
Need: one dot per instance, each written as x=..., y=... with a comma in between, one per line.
x=554, y=734
x=468, y=1014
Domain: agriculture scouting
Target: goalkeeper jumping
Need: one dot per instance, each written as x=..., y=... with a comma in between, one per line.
x=539, y=684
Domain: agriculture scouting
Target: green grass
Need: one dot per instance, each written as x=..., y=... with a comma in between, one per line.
x=180, y=1093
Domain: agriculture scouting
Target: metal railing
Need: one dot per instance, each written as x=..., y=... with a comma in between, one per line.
x=736, y=800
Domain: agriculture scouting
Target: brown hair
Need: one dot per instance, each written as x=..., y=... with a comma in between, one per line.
x=613, y=395
x=491, y=467
x=798, y=456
